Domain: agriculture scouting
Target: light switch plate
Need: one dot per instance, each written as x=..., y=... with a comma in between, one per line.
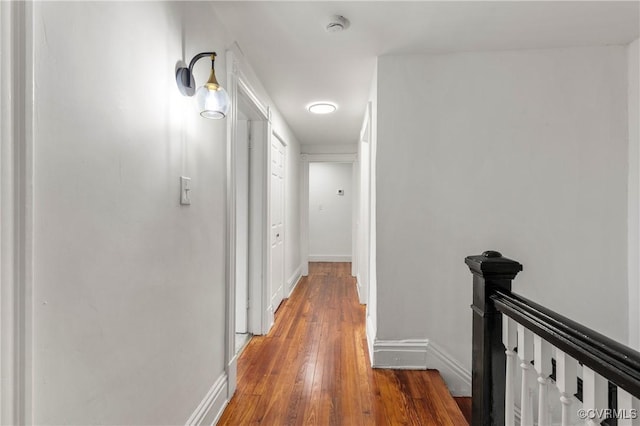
x=185, y=189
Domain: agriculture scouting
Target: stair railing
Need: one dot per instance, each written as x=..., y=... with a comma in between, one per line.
x=595, y=379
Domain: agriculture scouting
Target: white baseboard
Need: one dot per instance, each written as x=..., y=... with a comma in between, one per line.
x=274, y=298
x=212, y=406
x=293, y=281
x=371, y=336
x=419, y=354
x=409, y=354
x=232, y=376
x=269, y=320
x=362, y=298
x=329, y=258
x=457, y=378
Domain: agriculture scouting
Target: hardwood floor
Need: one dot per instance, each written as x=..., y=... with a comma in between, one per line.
x=464, y=403
x=313, y=367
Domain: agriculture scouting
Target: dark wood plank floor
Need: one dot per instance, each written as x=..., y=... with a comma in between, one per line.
x=313, y=367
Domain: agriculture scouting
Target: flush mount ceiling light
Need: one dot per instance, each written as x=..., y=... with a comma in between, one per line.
x=213, y=101
x=322, y=107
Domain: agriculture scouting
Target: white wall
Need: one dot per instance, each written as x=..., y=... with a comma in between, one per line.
x=129, y=286
x=329, y=149
x=524, y=152
x=330, y=214
x=633, y=78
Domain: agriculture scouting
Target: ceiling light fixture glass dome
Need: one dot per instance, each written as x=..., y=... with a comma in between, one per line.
x=322, y=107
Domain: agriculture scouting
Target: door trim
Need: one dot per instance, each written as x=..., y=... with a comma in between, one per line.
x=238, y=85
x=16, y=207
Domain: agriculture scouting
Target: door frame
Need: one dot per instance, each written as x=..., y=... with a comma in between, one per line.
x=16, y=209
x=239, y=87
x=304, y=200
x=365, y=218
x=241, y=308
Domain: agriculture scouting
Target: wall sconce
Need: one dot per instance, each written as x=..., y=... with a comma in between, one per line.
x=213, y=101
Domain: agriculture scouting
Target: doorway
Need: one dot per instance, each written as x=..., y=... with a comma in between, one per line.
x=331, y=202
x=351, y=197
x=247, y=241
x=249, y=189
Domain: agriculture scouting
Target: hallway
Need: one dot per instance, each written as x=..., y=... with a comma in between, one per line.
x=130, y=220
x=313, y=367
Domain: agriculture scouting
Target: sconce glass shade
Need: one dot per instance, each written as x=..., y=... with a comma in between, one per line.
x=213, y=103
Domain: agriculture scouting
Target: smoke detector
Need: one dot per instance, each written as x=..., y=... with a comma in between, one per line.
x=337, y=23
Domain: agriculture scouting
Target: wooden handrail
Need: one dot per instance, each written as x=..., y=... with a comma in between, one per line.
x=616, y=362
x=492, y=297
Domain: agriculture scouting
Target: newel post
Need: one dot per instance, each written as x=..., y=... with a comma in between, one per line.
x=490, y=271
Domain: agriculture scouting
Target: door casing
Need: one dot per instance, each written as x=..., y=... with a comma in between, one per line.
x=260, y=315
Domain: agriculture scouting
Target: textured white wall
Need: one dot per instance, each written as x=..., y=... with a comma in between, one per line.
x=329, y=213
x=524, y=152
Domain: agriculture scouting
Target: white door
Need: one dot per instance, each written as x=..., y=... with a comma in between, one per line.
x=277, y=222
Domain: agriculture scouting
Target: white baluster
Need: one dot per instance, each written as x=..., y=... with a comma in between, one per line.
x=594, y=396
x=625, y=407
x=510, y=341
x=542, y=364
x=566, y=380
x=525, y=354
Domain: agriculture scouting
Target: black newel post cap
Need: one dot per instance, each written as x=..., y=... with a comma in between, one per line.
x=492, y=265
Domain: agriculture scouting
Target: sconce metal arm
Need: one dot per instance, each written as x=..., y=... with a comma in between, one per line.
x=198, y=57
x=184, y=76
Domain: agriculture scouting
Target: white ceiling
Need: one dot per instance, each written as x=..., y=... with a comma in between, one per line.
x=298, y=62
